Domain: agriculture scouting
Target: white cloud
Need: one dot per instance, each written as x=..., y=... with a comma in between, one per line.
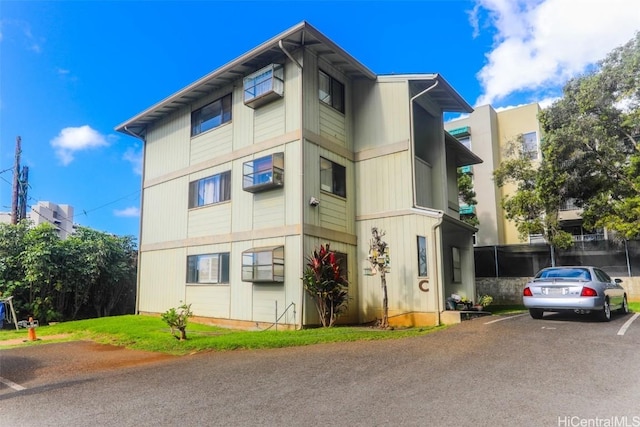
x=540, y=44
x=74, y=139
x=134, y=156
x=127, y=212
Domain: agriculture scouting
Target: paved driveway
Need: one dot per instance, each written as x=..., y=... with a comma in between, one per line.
x=488, y=372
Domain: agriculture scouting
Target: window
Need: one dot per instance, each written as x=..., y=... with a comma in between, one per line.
x=211, y=115
x=210, y=268
x=263, y=264
x=264, y=85
x=422, y=256
x=333, y=177
x=457, y=267
x=214, y=189
x=530, y=145
x=466, y=141
x=263, y=173
x=331, y=91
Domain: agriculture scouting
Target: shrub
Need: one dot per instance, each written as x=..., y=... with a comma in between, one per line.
x=177, y=318
x=325, y=283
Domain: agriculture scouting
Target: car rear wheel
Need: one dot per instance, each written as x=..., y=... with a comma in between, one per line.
x=625, y=305
x=536, y=313
x=605, y=314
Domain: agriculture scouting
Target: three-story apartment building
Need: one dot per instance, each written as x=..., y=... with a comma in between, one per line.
x=290, y=146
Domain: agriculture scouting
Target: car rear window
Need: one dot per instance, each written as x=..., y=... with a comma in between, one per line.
x=565, y=273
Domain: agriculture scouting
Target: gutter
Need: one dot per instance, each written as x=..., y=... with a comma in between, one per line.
x=440, y=282
x=144, y=147
x=301, y=179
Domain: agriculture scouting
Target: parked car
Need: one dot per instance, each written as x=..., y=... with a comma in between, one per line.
x=581, y=289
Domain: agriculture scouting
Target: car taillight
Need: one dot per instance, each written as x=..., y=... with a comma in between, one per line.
x=588, y=292
x=527, y=292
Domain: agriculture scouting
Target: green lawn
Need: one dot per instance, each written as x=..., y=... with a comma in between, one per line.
x=152, y=334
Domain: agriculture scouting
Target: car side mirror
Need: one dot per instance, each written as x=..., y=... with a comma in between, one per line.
x=617, y=280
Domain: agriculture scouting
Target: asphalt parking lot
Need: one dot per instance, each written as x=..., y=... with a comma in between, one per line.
x=507, y=370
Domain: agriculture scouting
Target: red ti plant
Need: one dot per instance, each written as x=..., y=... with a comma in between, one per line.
x=326, y=283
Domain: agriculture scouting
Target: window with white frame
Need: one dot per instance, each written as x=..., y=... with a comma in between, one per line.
x=208, y=268
x=331, y=91
x=422, y=256
x=530, y=145
x=211, y=115
x=263, y=173
x=210, y=190
x=263, y=264
x=333, y=177
x=264, y=85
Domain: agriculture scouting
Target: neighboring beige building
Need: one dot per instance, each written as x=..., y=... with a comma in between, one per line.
x=289, y=146
x=489, y=134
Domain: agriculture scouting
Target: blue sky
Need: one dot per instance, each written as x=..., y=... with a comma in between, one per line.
x=70, y=71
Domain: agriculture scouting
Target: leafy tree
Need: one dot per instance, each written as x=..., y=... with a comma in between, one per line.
x=53, y=279
x=467, y=195
x=325, y=282
x=590, y=155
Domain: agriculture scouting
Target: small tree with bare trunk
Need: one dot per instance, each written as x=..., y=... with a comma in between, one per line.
x=379, y=258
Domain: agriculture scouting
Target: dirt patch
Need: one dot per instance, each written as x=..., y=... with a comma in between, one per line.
x=35, y=365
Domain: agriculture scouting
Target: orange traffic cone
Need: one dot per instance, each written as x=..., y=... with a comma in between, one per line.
x=32, y=331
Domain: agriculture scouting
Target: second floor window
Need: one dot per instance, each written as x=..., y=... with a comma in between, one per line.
x=333, y=177
x=530, y=145
x=211, y=115
x=331, y=91
x=213, y=189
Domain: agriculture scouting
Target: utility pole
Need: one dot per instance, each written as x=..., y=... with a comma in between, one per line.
x=16, y=182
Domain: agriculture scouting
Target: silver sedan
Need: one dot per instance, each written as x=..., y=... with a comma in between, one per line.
x=580, y=289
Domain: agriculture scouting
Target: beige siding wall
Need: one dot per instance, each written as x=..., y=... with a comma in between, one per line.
x=163, y=275
x=424, y=183
x=405, y=297
x=171, y=229
x=380, y=114
x=269, y=121
x=210, y=220
x=165, y=211
x=163, y=153
x=332, y=124
x=384, y=183
x=212, y=144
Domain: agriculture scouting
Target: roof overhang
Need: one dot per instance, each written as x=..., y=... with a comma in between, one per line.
x=464, y=156
x=438, y=91
x=301, y=35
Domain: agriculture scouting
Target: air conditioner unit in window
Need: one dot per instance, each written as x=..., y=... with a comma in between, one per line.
x=263, y=86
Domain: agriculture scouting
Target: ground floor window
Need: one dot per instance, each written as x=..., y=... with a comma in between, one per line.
x=208, y=268
x=422, y=256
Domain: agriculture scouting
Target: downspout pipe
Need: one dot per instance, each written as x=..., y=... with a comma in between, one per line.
x=138, y=274
x=440, y=283
x=412, y=141
x=301, y=180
